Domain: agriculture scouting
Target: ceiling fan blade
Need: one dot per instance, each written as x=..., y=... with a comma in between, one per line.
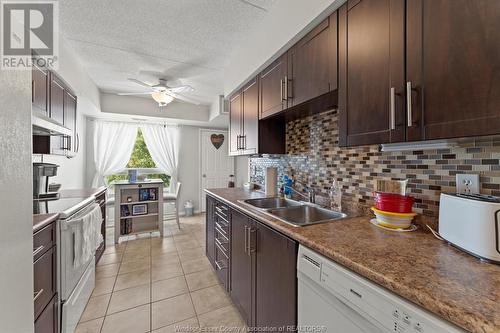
x=144, y=84
x=182, y=89
x=130, y=94
x=182, y=98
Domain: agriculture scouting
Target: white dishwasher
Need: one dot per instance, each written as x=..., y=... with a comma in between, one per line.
x=333, y=299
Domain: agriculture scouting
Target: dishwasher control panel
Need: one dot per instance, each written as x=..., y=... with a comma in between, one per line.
x=374, y=303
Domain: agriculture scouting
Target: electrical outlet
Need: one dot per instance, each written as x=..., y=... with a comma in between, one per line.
x=467, y=184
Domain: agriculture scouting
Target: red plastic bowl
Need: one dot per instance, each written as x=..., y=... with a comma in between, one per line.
x=394, y=203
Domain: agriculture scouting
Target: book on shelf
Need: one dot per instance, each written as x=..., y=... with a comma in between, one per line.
x=125, y=226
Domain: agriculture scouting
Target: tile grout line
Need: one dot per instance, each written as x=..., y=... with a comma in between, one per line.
x=116, y=278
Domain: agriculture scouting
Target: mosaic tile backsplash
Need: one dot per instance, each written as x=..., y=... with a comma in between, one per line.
x=314, y=158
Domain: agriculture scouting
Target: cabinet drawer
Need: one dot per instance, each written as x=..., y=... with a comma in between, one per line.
x=44, y=280
x=43, y=240
x=222, y=267
x=222, y=241
x=222, y=211
x=47, y=321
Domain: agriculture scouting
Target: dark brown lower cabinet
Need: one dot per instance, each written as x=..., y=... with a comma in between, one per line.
x=276, y=282
x=48, y=320
x=45, y=280
x=242, y=262
x=210, y=229
x=263, y=274
x=101, y=200
x=256, y=265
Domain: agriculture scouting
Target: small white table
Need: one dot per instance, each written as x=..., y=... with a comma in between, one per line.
x=138, y=207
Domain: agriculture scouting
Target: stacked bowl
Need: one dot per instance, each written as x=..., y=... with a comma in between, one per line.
x=393, y=210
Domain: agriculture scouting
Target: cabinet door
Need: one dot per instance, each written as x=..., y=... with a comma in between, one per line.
x=250, y=117
x=56, y=99
x=453, y=59
x=241, y=266
x=272, y=89
x=70, y=121
x=47, y=322
x=276, y=279
x=371, y=72
x=314, y=63
x=39, y=84
x=210, y=227
x=235, y=123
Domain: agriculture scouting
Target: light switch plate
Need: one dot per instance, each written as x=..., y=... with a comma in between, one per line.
x=467, y=184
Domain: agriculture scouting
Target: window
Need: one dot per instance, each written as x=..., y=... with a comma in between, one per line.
x=141, y=160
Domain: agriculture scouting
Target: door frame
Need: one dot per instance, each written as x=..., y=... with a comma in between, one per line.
x=200, y=132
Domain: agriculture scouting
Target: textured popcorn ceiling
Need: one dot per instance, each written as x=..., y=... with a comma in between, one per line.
x=186, y=40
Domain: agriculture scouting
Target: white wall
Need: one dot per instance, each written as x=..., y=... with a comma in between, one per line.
x=71, y=173
x=16, y=227
x=189, y=162
x=286, y=22
x=241, y=170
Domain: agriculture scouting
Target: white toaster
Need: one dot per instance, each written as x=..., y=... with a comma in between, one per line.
x=471, y=222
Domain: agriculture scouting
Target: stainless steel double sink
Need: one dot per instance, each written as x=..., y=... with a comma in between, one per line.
x=296, y=213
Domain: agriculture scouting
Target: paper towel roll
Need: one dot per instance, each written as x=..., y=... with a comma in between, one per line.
x=271, y=181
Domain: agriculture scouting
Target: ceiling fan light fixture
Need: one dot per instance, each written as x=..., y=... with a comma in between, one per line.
x=162, y=98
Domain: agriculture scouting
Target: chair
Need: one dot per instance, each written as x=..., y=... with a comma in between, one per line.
x=172, y=198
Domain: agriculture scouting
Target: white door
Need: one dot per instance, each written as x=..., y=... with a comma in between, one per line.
x=216, y=164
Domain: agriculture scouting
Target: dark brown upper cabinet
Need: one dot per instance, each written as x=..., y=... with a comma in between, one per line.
x=61, y=106
x=56, y=99
x=371, y=72
x=312, y=64
x=39, y=84
x=235, y=123
x=418, y=70
x=453, y=68
x=243, y=120
x=272, y=87
x=72, y=142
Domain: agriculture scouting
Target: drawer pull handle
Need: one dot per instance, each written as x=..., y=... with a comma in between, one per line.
x=37, y=294
x=219, y=266
x=356, y=293
x=38, y=250
x=219, y=242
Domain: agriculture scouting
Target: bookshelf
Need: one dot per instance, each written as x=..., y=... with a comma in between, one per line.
x=139, y=207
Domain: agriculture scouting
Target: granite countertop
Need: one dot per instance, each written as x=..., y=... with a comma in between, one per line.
x=82, y=193
x=420, y=268
x=42, y=220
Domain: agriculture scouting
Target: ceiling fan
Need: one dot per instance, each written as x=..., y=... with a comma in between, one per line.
x=162, y=93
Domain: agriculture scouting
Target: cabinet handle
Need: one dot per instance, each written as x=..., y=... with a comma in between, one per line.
x=32, y=91
x=77, y=143
x=219, y=266
x=246, y=239
x=408, y=104
x=251, y=249
x=392, y=118
x=287, y=96
x=244, y=138
x=37, y=294
x=38, y=250
x=281, y=90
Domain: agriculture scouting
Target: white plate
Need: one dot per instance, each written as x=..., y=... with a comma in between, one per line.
x=412, y=227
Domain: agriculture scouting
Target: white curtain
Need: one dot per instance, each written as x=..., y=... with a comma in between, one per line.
x=163, y=145
x=113, y=145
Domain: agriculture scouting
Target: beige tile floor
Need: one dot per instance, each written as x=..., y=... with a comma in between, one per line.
x=153, y=284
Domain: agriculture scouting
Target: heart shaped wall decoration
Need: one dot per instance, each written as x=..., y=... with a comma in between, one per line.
x=217, y=140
